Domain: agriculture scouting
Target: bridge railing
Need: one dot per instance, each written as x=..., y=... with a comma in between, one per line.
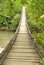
x=6, y=50
x=37, y=47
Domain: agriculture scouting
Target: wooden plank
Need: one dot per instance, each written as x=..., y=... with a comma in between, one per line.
x=20, y=60
x=22, y=54
x=23, y=51
x=20, y=63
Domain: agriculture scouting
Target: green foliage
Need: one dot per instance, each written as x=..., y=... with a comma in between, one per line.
x=42, y=61
x=35, y=10
x=35, y=16
x=23, y=1
x=3, y=21
x=32, y=25
x=7, y=9
x=17, y=6
x=14, y=22
x=40, y=39
x=10, y=11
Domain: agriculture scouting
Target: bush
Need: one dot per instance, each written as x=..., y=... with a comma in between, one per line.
x=14, y=22
x=40, y=39
x=10, y=13
x=35, y=16
x=42, y=61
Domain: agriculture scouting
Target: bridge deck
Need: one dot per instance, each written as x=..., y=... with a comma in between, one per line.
x=23, y=51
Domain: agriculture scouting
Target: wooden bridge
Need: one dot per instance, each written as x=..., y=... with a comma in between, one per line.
x=20, y=50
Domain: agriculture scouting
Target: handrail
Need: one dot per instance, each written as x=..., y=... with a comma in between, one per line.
x=36, y=46
x=9, y=46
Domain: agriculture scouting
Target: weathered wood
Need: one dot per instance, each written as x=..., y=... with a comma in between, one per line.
x=22, y=51
x=20, y=63
x=37, y=47
x=8, y=47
